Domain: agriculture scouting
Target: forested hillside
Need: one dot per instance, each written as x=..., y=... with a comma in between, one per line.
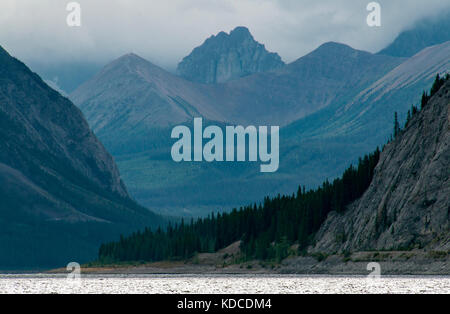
x=283, y=220
x=267, y=230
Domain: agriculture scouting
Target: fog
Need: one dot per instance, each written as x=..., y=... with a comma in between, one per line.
x=165, y=31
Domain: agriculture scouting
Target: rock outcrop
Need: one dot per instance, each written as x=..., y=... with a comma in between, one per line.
x=226, y=57
x=407, y=205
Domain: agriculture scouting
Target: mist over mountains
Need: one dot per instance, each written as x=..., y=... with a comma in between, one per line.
x=334, y=104
x=425, y=33
x=62, y=194
x=131, y=84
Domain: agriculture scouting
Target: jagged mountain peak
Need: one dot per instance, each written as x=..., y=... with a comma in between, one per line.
x=241, y=32
x=235, y=37
x=225, y=57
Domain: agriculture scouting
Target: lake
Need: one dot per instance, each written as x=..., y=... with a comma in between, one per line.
x=221, y=284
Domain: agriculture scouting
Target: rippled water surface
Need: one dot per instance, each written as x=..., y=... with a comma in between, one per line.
x=224, y=284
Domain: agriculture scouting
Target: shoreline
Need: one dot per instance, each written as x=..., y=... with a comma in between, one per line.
x=390, y=263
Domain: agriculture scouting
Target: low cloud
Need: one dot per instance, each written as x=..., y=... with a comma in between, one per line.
x=165, y=31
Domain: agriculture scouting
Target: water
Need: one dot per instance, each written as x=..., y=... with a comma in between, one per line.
x=223, y=284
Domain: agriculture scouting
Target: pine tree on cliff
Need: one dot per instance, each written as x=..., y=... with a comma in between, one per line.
x=396, y=125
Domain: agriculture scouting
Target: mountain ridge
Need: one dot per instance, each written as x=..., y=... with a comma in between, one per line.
x=270, y=98
x=248, y=100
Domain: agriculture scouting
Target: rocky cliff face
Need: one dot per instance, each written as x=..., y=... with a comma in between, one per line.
x=228, y=56
x=408, y=203
x=54, y=174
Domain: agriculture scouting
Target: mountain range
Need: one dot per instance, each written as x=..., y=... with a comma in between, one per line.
x=392, y=209
x=61, y=191
x=333, y=105
x=67, y=76
x=62, y=194
x=136, y=87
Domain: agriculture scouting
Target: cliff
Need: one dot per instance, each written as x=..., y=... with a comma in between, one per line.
x=408, y=203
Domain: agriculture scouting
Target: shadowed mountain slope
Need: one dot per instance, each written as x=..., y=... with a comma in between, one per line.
x=60, y=189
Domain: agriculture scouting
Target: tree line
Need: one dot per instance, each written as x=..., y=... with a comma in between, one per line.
x=266, y=230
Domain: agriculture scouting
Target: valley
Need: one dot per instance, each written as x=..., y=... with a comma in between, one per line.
x=326, y=103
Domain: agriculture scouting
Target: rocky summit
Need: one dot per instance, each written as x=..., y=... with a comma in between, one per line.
x=225, y=57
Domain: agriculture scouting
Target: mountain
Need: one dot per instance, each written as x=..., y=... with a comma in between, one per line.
x=392, y=208
x=407, y=203
x=61, y=191
x=425, y=33
x=320, y=145
x=138, y=93
x=131, y=92
x=225, y=57
x=132, y=106
x=397, y=90
x=330, y=74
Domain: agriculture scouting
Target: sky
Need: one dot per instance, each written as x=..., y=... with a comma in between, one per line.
x=164, y=31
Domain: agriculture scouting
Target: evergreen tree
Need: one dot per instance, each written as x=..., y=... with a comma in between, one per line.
x=396, y=125
x=424, y=100
x=408, y=118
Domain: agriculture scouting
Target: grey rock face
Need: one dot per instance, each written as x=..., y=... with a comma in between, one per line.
x=407, y=205
x=226, y=57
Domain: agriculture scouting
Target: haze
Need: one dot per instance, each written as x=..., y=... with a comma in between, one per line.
x=166, y=31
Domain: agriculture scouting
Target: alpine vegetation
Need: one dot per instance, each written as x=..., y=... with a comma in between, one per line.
x=232, y=148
